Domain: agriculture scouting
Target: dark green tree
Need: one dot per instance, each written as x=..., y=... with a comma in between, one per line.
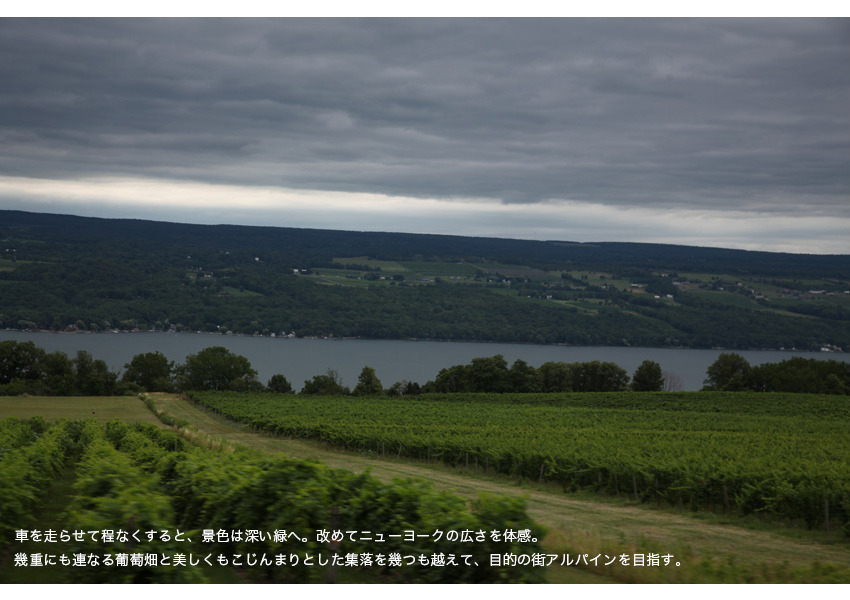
x=524, y=378
x=405, y=388
x=452, y=380
x=730, y=372
x=151, y=370
x=490, y=374
x=328, y=384
x=648, y=377
x=19, y=360
x=834, y=384
x=280, y=385
x=396, y=390
x=216, y=368
x=599, y=376
x=93, y=377
x=368, y=383
x=802, y=375
x=57, y=373
x=556, y=376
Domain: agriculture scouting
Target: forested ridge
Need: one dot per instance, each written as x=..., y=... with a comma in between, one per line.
x=61, y=272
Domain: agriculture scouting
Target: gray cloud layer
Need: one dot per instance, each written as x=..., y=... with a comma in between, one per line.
x=711, y=114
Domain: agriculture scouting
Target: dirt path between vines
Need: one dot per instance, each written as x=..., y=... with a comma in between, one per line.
x=707, y=549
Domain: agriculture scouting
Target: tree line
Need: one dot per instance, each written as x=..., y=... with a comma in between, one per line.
x=28, y=369
x=732, y=372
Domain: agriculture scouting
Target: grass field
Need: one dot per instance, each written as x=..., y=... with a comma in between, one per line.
x=725, y=298
x=710, y=548
x=385, y=265
x=126, y=408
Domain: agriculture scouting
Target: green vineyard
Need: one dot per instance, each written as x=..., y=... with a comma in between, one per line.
x=144, y=502
x=785, y=456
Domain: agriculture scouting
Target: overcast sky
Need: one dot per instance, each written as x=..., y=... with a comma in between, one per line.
x=732, y=133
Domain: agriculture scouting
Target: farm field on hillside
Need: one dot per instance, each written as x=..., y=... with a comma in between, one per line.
x=733, y=453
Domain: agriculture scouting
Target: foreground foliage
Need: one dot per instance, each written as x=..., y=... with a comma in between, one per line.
x=31, y=455
x=143, y=478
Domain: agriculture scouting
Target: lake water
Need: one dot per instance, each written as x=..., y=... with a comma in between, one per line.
x=300, y=359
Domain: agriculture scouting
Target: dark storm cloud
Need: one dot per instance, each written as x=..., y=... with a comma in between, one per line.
x=744, y=114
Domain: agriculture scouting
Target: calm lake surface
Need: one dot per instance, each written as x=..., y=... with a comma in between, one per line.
x=300, y=359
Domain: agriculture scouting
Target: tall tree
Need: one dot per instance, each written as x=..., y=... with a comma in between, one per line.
x=368, y=383
x=648, y=377
x=597, y=376
x=525, y=378
x=151, y=370
x=556, y=376
x=216, y=368
x=730, y=372
x=19, y=360
x=490, y=374
x=279, y=385
x=93, y=377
